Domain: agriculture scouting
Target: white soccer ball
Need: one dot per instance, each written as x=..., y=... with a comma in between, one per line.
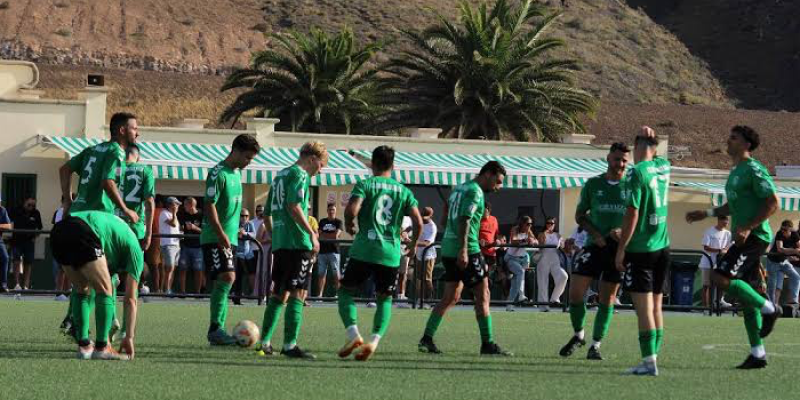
x=144, y=290
x=246, y=333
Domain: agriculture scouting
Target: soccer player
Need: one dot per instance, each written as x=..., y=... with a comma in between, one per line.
x=751, y=201
x=462, y=259
x=220, y=231
x=92, y=245
x=294, y=245
x=379, y=203
x=599, y=212
x=643, y=250
x=138, y=192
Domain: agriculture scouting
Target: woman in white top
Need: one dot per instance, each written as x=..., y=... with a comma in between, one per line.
x=517, y=259
x=550, y=264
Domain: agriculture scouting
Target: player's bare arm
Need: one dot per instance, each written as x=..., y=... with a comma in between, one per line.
x=350, y=214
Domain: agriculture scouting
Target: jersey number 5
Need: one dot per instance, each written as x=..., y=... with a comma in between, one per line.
x=88, y=170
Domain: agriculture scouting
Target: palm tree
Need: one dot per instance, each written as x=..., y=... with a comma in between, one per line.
x=312, y=83
x=489, y=76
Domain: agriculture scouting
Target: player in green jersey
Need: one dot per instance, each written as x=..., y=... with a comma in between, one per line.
x=751, y=201
x=294, y=245
x=220, y=232
x=462, y=260
x=643, y=251
x=600, y=210
x=138, y=191
x=379, y=203
x=92, y=245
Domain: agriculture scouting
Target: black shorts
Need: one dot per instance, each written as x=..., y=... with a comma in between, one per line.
x=740, y=262
x=471, y=275
x=74, y=243
x=598, y=262
x=356, y=272
x=291, y=269
x=217, y=261
x=647, y=272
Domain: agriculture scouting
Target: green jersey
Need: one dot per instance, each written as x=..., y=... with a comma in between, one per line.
x=749, y=183
x=289, y=187
x=224, y=191
x=96, y=164
x=120, y=245
x=648, y=183
x=466, y=200
x=605, y=201
x=384, y=204
x=137, y=187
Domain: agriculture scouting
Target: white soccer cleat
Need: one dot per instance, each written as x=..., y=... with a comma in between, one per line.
x=85, y=352
x=643, y=369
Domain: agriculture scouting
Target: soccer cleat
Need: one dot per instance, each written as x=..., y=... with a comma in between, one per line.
x=367, y=350
x=296, y=352
x=768, y=323
x=426, y=345
x=85, y=352
x=66, y=325
x=220, y=338
x=351, y=345
x=262, y=351
x=115, y=327
x=643, y=369
x=492, y=349
x=753, y=363
x=594, y=354
x=109, y=354
x=569, y=348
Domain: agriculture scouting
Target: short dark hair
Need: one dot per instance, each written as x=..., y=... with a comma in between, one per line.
x=619, y=146
x=245, y=142
x=382, y=158
x=493, y=167
x=488, y=205
x=649, y=141
x=787, y=222
x=119, y=120
x=330, y=205
x=749, y=134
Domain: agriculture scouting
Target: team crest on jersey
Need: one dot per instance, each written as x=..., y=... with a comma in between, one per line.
x=212, y=191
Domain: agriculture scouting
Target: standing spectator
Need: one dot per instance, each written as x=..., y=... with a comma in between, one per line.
x=245, y=259
x=402, y=270
x=170, y=247
x=314, y=227
x=579, y=238
x=501, y=275
x=518, y=260
x=24, y=244
x=264, y=236
x=425, y=265
x=152, y=257
x=550, y=264
x=60, y=280
x=787, y=245
x=328, y=259
x=5, y=223
x=487, y=238
x=191, y=257
x=257, y=221
x=716, y=241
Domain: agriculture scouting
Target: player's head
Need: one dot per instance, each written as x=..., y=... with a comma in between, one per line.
x=313, y=157
x=244, y=150
x=743, y=139
x=382, y=159
x=132, y=153
x=124, y=128
x=723, y=221
x=618, y=157
x=331, y=210
x=491, y=176
x=645, y=145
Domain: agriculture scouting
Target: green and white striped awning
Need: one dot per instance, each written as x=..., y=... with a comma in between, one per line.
x=523, y=172
x=191, y=161
x=788, y=196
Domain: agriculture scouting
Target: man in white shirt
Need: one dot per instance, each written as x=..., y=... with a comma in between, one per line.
x=716, y=241
x=425, y=266
x=170, y=247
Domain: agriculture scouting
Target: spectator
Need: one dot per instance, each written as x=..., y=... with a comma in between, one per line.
x=716, y=241
x=428, y=237
x=518, y=260
x=402, y=270
x=191, y=257
x=502, y=269
x=5, y=223
x=487, y=238
x=24, y=244
x=264, y=236
x=245, y=259
x=61, y=283
x=257, y=221
x=314, y=227
x=550, y=264
x=170, y=247
x=579, y=237
x=152, y=257
x=785, y=249
x=330, y=229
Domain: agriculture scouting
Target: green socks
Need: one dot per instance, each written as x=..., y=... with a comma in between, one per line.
x=601, y=322
x=219, y=304
x=383, y=315
x=293, y=318
x=659, y=339
x=647, y=343
x=752, y=323
x=485, y=326
x=347, y=308
x=80, y=314
x=433, y=324
x=271, y=315
x=104, y=317
x=577, y=314
x=746, y=294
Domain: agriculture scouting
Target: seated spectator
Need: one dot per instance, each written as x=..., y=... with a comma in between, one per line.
x=24, y=244
x=191, y=257
x=785, y=249
x=170, y=247
x=245, y=259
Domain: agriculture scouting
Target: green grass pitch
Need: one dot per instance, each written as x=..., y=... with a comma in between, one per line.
x=174, y=362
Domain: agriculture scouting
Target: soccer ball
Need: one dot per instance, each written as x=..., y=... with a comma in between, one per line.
x=246, y=333
x=144, y=290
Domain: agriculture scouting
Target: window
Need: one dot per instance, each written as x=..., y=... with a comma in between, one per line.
x=18, y=187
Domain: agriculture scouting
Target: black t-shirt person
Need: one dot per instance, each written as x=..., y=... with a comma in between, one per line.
x=196, y=220
x=327, y=225
x=786, y=242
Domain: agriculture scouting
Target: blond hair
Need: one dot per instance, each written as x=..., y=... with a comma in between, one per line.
x=314, y=148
